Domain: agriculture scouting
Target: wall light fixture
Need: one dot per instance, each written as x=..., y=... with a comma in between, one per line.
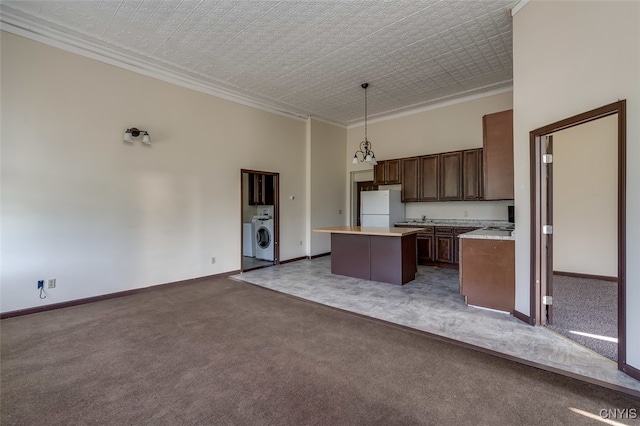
x=131, y=133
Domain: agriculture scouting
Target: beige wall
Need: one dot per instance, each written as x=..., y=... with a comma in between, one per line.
x=585, y=198
x=327, y=176
x=571, y=57
x=494, y=210
x=447, y=128
x=102, y=216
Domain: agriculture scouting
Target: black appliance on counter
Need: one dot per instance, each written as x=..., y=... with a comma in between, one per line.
x=511, y=214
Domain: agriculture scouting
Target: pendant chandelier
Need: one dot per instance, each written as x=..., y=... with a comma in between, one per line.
x=364, y=154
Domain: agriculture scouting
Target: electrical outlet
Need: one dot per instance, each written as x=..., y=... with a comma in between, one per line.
x=51, y=283
x=466, y=213
x=40, y=284
x=213, y=260
x=300, y=242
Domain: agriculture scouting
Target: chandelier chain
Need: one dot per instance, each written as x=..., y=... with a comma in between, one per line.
x=365, y=111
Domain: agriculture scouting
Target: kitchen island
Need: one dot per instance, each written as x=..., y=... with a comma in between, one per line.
x=374, y=253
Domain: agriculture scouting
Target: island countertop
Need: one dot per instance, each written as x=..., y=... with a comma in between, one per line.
x=370, y=230
x=490, y=234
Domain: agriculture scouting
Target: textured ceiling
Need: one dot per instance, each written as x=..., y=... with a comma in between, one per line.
x=302, y=57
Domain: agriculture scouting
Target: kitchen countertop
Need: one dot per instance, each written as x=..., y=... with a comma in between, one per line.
x=490, y=229
x=471, y=223
x=370, y=230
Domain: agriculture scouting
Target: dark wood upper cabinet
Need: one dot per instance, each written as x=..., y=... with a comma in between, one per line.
x=394, y=171
x=261, y=190
x=387, y=172
x=498, y=155
x=429, y=177
x=379, y=173
x=420, y=178
x=410, y=179
x=451, y=176
x=254, y=192
x=268, y=190
x=432, y=177
x=472, y=175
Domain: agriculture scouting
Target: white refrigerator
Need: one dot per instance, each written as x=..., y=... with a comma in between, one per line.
x=381, y=208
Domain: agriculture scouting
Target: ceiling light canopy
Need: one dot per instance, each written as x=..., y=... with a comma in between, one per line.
x=365, y=154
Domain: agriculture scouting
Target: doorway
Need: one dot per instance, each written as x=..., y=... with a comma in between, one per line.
x=259, y=194
x=549, y=236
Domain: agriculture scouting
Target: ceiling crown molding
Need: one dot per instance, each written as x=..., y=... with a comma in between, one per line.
x=518, y=7
x=41, y=32
x=480, y=93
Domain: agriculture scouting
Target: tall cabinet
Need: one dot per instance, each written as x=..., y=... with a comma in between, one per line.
x=498, y=155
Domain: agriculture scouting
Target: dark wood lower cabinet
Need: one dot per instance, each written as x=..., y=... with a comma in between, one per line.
x=425, y=249
x=456, y=242
x=487, y=273
x=444, y=244
x=440, y=245
x=444, y=248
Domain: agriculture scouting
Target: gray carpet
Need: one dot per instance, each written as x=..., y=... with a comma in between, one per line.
x=586, y=306
x=221, y=352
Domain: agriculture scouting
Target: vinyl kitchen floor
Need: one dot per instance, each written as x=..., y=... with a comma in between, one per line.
x=432, y=303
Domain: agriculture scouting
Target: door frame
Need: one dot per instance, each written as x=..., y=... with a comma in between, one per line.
x=540, y=256
x=276, y=212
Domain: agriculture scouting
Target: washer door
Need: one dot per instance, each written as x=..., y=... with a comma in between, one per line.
x=263, y=237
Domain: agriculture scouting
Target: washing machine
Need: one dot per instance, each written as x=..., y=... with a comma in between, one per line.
x=264, y=237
